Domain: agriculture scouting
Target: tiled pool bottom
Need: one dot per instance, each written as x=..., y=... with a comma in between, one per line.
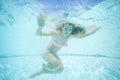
x=76, y=68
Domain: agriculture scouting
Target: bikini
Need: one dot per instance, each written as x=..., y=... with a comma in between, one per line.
x=58, y=44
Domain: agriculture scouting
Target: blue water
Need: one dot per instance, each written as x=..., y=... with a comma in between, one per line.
x=95, y=57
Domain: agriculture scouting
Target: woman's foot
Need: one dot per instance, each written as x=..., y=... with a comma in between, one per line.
x=38, y=73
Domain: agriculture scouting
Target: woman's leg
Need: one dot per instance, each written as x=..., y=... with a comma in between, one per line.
x=54, y=62
x=54, y=65
x=45, y=71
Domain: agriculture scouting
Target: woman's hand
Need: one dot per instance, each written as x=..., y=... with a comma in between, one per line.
x=41, y=20
x=93, y=28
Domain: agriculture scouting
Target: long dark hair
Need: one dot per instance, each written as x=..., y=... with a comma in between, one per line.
x=75, y=30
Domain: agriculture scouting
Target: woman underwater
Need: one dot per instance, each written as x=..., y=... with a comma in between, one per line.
x=60, y=36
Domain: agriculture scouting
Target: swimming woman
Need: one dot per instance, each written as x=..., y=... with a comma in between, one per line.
x=60, y=36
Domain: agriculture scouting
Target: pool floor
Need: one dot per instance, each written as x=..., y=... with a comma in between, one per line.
x=75, y=68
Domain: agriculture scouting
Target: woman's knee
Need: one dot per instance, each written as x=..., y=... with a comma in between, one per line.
x=56, y=66
x=59, y=67
x=53, y=67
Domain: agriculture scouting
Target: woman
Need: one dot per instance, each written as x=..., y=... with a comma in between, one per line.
x=60, y=36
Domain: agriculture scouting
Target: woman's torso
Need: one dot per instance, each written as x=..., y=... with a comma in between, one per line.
x=58, y=41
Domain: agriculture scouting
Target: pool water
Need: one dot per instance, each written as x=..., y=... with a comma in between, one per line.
x=75, y=68
x=95, y=57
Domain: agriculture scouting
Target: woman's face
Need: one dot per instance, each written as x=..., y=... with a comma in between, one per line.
x=67, y=29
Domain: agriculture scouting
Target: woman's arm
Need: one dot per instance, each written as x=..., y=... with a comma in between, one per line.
x=40, y=33
x=89, y=30
x=41, y=19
